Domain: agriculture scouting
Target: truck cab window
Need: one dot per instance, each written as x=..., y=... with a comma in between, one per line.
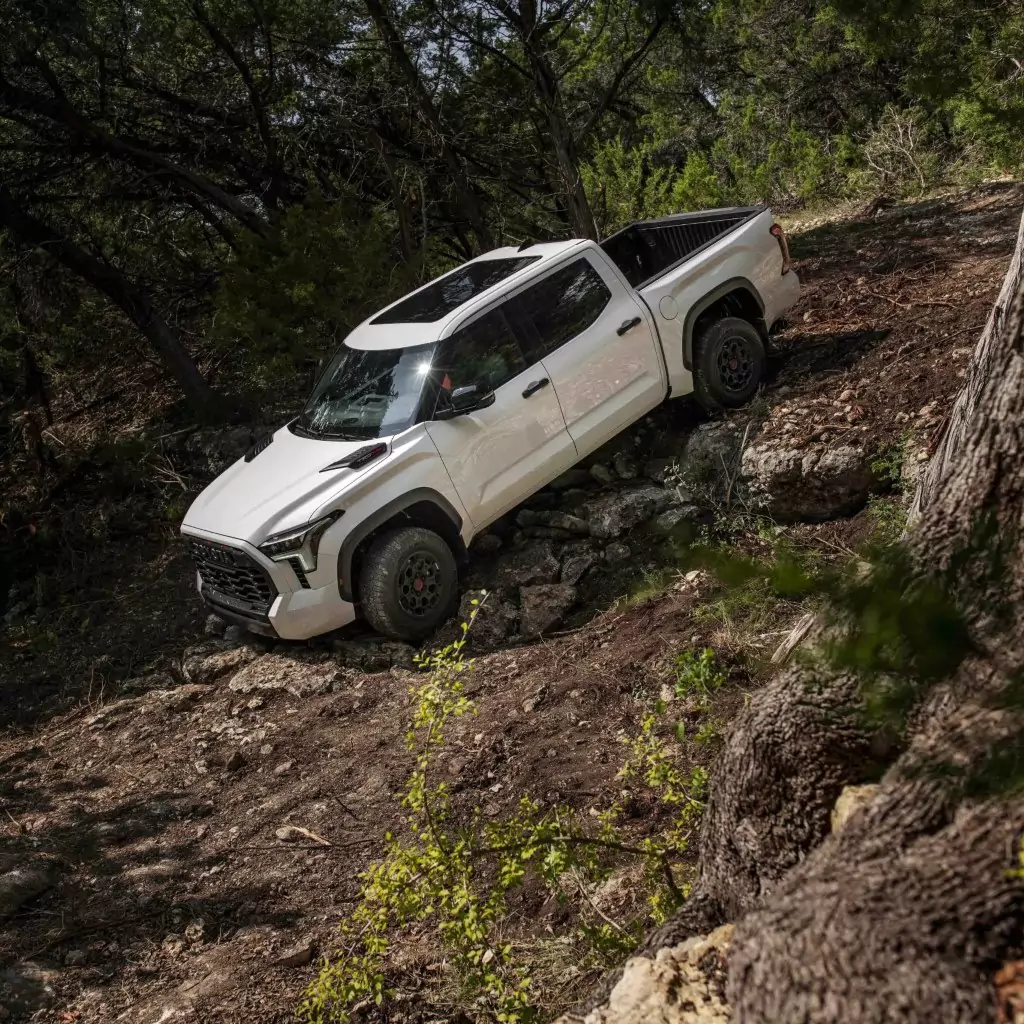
x=562, y=306
x=484, y=352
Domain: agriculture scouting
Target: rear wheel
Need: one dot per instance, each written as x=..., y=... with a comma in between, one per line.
x=409, y=583
x=728, y=363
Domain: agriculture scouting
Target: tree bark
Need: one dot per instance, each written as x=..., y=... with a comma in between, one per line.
x=116, y=286
x=908, y=911
x=524, y=21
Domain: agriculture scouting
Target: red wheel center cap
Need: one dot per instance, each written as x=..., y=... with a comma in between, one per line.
x=733, y=363
x=418, y=584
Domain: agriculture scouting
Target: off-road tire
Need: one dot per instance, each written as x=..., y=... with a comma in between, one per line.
x=409, y=583
x=728, y=363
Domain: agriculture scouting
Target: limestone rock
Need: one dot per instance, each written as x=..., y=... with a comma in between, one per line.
x=528, y=565
x=851, y=800
x=543, y=607
x=617, y=552
x=614, y=514
x=668, y=520
x=214, y=626
x=801, y=485
x=575, y=566
x=302, y=678
x=208, y=661
x=495, y=621
x=298, y=956
x=711, y=457
x=684, y=984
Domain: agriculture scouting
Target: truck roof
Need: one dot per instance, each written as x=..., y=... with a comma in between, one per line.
x=424, y=315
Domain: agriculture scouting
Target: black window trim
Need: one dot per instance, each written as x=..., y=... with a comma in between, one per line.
x=547, y=270
x=529, y=325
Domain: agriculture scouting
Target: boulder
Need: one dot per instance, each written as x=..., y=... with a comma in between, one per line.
x=279, y=672
x=614, y=514
x=575, y=566
x=527, y=565
x=808, y=485
x=602, y=474
x=683, y=984
x=495, y=621
x=543, y=607
x=709, y=460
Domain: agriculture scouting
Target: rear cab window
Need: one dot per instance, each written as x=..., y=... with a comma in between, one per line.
x=562, y=306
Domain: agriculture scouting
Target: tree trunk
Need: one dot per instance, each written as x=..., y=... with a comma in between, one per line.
x=581, y=217
x=466, y=200
x=909, y=910
x=112, y=283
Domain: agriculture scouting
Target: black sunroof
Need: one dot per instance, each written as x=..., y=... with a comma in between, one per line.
x=437, y=300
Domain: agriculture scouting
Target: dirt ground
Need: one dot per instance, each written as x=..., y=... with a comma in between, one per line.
x=157, y=813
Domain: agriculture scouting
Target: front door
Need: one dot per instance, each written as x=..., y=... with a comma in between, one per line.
x=498, y=456
x=598, y=346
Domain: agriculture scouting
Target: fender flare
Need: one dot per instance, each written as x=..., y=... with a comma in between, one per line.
x=706, y=301
x=378, y=518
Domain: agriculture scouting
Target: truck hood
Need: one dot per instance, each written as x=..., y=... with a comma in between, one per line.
x=280, y=489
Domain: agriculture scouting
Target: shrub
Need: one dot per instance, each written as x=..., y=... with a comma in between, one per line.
x=455, y=879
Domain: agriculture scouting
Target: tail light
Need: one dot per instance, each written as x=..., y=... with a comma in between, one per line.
x=780, y=237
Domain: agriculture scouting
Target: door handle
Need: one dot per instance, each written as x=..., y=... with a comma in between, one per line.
x=627, y=325
x=535, y=386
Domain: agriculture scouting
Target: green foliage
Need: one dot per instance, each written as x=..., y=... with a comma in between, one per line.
x=888, y=464
x=698, y=675
x=888, y=517
x=455, y=878
x=294, y=296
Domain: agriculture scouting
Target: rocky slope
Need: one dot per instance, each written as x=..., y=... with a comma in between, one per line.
x=186, y=814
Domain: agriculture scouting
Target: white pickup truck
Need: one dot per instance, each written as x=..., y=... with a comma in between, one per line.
x=460, y=400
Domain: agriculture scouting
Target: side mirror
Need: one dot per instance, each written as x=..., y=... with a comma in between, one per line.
x=466, y=400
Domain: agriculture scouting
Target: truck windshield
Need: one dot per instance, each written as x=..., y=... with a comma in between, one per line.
x=366, y=394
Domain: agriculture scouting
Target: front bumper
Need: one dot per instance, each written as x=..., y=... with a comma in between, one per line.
x=283, y=607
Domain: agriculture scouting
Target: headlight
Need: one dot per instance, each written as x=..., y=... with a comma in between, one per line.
x=302, y=542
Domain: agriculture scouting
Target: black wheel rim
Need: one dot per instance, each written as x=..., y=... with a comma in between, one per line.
x=735, y=363
x=419, y=584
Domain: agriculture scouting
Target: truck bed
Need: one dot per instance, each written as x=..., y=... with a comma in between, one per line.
x=647, y=249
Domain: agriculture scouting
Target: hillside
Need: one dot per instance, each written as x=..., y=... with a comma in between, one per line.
x=153, y=763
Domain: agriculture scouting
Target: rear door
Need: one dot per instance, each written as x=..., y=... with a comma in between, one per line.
x=598, y=347
x=498, y=456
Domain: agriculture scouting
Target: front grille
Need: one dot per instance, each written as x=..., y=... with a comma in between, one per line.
x=232, y=578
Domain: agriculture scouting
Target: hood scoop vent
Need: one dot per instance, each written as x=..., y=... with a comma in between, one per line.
x=359, y=458
x=262, y=443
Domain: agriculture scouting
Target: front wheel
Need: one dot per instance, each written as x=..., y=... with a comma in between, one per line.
x=409, y=583
x=728, y=364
